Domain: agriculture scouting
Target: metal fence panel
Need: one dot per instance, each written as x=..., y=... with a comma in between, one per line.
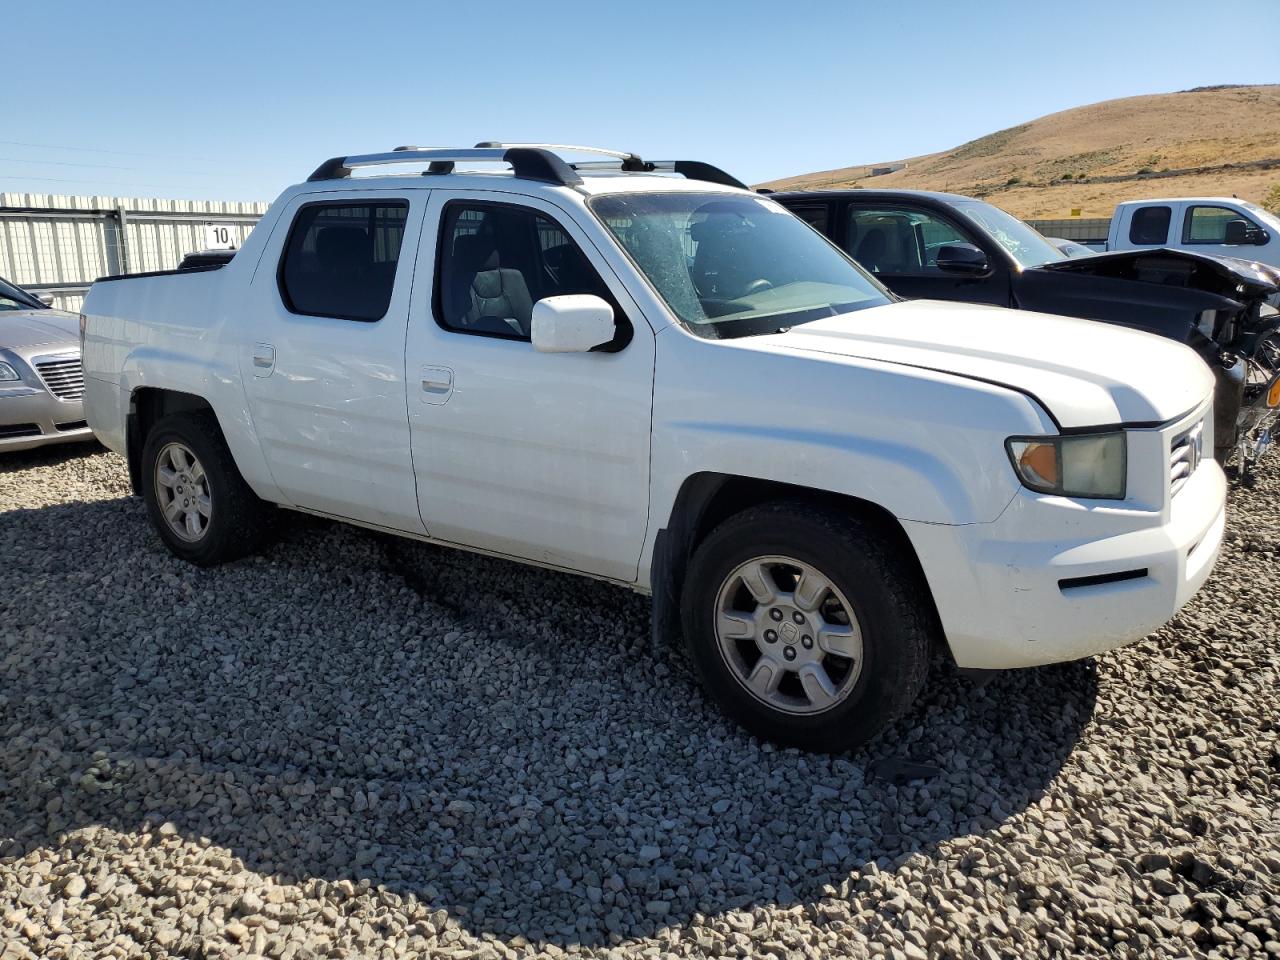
x=1080, y=229
x=57, y=244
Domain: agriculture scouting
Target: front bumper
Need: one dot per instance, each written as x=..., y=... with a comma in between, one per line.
x=1055, y=579
x=32, y=417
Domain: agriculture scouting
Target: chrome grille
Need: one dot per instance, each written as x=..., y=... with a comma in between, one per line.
x=63, y=377
x=1184, y=456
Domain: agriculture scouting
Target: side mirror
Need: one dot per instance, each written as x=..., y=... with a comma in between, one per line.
x=964, y=259
x=1242, y=233
x=1237, y=233
x=573, y=323
x=45, y=298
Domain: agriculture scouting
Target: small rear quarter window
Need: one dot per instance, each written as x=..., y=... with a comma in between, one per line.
x=1150, y=226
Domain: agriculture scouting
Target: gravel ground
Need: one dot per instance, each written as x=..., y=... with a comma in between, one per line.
x=359, y=746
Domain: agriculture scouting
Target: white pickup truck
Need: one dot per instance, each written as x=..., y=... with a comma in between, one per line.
x=677, y=386
x=1223, y=226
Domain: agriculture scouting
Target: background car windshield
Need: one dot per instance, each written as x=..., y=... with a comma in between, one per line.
x=731, y=266
x=11, y=298
x=1023, y=242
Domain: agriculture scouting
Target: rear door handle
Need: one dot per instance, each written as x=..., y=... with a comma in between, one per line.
x=437, y=384
x=264, y=359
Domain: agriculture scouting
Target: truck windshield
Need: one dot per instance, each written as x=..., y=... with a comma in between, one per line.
x=1023, y=242
x=1264, y=215
x=731, y=265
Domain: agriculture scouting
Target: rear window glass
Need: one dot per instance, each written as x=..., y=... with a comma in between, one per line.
x=340, y=259
x=815, y=217
x=1150, y=225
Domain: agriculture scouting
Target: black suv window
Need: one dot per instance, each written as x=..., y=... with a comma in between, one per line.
x=1150, y=225
x=815, y=217
x=497, y=260
x=340, y=259
x=899, y=240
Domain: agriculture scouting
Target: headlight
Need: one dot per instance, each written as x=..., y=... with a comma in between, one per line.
x=7, y=372
x=1072, y=466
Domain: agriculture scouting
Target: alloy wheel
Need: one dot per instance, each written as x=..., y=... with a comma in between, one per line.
x=789, y=636
x=182, y=491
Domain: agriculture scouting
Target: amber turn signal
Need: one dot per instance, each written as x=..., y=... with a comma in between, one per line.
x=1040, y=460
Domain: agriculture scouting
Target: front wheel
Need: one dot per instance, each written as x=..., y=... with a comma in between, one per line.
x=203, y=510
x=808, y=626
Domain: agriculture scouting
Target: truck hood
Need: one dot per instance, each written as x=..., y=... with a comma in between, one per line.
x=1083, y=373
x=34, y=328
x=1225, y=276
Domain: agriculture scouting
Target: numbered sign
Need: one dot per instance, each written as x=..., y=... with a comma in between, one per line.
x=219, y=236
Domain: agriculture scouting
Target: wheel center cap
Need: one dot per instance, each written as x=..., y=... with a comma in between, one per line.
x=788, y=631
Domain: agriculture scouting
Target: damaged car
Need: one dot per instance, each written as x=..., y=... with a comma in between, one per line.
x=941, y=246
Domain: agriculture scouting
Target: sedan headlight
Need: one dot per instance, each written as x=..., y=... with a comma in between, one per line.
x=7, y=372
x=1085, y=465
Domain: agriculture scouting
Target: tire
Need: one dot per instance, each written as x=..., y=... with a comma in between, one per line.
x=874, y=655
x=230, y=521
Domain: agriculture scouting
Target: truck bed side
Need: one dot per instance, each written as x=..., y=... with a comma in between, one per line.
x=177, y=331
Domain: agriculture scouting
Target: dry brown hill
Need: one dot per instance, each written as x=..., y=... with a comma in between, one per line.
x=1209, y=141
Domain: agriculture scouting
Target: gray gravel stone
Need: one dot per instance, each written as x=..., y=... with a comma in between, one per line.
x=359, y=746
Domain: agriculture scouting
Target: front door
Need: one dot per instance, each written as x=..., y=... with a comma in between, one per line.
x=533, y=455
x=1204, y=230
x=324, y=371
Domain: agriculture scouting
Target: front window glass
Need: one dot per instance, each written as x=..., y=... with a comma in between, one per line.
x=731, y=265
x=899, y=240
x=497, y=260
x=1209, y=224
x=1024, y=243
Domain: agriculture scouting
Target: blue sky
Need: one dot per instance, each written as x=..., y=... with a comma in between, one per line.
x=235, y=100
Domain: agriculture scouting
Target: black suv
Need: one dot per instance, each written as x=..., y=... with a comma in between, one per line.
x=941, y=246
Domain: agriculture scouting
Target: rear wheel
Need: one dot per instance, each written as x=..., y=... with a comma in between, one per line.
x=203, y=510
x=807, y=626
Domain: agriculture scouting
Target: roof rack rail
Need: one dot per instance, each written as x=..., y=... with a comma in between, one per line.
x=531, y=161
x=528, y=163
x=633, y=163
x=556, y=147
x=689, y=169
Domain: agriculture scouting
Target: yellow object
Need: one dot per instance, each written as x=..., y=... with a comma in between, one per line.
x=1075, y=211
x=1273, y=395
x=1041, y=459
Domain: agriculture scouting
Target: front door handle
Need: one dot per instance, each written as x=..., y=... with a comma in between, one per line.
x=437, y=384
x=264, y=359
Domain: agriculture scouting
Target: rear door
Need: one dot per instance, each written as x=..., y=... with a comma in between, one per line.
x=324, y=366
x=533, y=455
x=899, y=243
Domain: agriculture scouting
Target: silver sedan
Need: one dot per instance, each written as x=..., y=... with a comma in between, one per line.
x=41, y=383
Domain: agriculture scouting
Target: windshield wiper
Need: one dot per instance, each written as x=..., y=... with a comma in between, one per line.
x=780, y=323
